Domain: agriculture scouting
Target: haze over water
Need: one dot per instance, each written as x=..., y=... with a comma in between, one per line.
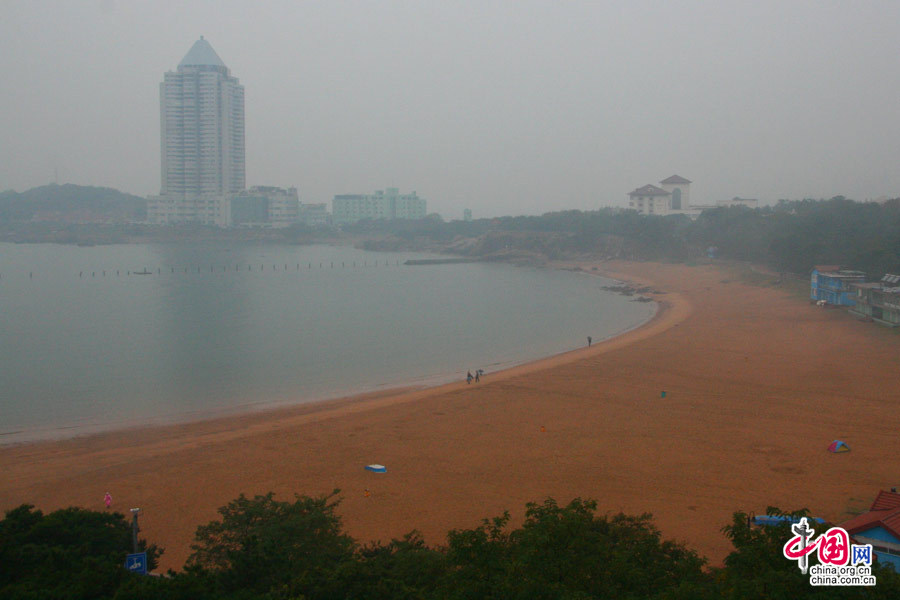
x=254, y=326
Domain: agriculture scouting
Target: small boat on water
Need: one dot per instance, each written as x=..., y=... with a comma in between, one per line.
x=144, y=272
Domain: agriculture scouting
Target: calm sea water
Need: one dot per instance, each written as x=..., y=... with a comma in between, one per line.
x=85, y=344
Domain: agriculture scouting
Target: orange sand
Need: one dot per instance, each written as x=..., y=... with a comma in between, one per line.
x=758, y=384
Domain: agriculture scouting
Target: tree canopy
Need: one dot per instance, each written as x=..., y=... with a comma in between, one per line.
x=69, y=553
x=262, y=548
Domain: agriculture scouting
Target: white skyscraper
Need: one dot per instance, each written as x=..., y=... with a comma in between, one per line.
x=202, y=139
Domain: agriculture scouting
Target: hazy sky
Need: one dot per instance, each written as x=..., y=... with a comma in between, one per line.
x=514, y=107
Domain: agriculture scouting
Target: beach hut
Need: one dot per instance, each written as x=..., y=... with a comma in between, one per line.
x=838, y=446
x=879, y=527
x=376, y=468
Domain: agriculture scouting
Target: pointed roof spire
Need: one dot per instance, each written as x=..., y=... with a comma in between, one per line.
x=201, y=53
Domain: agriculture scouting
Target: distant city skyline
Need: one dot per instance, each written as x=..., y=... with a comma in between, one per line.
x=504, y=108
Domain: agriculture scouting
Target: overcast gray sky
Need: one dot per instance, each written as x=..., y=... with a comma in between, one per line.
x=513, y=107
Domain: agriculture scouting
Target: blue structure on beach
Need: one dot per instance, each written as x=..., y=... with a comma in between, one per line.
x=831, y=284
x=774, y=520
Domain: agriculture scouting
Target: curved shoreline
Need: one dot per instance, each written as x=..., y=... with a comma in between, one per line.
x=669, y=312
x=34, y=471
x=122, y=412
x=757, y=382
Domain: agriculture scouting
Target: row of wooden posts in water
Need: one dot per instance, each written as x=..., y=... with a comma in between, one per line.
x=237, y=268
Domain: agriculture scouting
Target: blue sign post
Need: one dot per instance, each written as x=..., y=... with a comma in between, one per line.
x=137, y=563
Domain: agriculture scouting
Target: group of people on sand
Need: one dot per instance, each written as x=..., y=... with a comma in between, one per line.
x=480, y=372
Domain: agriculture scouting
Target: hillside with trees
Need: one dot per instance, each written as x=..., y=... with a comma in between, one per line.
x=71, y=203
x=789, y=237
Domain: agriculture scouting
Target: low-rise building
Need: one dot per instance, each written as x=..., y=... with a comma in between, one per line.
x=831, y=284
x=673, y=198
x=209, y=209
x=879, y=301
x=265, y=206
x=315, y=215
x=880, y=527
x=284, y=205
x=249, y=210
x=679, y=190
x=383, y=204
x=650, y=200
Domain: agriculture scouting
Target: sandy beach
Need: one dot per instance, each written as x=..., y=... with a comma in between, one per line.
x=757, y=384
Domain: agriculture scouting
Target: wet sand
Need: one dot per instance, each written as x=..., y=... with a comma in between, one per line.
x=758, y=383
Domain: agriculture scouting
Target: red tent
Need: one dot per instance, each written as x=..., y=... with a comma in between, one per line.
x=838, y=446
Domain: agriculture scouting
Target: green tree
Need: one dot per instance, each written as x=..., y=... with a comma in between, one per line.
x=68, y=553
x=261, y=545
x=567, y=552
x=403, y=569
x=478, y=560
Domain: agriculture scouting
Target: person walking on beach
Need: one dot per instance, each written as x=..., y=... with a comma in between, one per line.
x=107, y=499
x=477, y=375
x=589, y=341
x=468, y=376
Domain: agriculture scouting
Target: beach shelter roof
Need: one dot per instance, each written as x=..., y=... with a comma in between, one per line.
x=838, y=446
x=885, y=512
x=771, y=520
x=376, y=468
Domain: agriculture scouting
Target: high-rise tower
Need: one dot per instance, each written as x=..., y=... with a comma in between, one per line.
x=202, y=124
x=202, y=139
